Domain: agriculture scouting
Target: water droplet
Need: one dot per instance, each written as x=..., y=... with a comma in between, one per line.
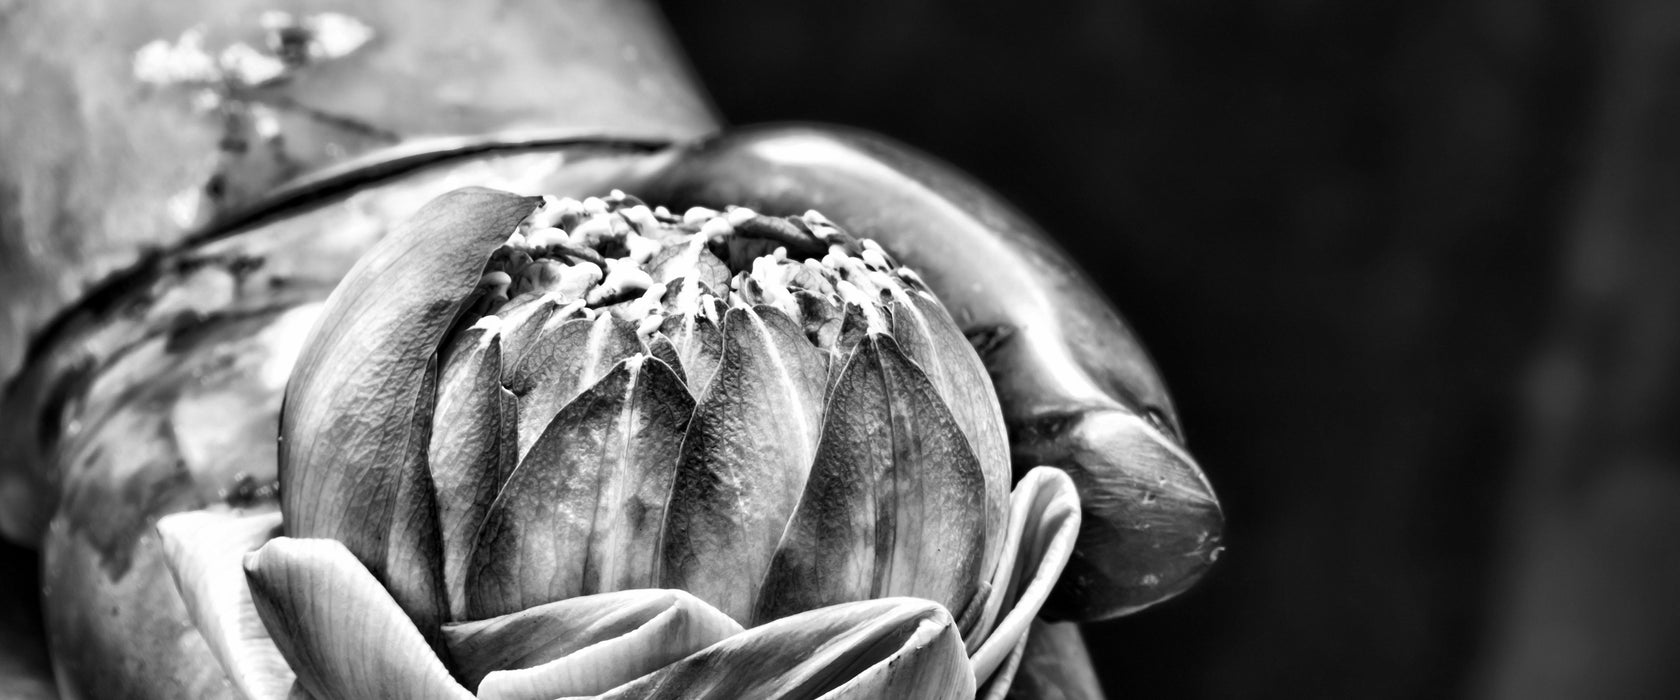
x=1213, y=556
x=1151, y=580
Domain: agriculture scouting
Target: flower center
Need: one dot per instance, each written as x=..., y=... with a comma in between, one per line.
x=643, y=264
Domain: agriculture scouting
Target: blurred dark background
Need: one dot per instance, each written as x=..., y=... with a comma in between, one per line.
x=1409, y=268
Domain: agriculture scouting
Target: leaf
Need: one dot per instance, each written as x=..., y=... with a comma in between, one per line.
x=583, y=646
x=1043, y=526
x=744, y=460
x=204, y=550
x=349, y=411
x=893, y=506
x=1152, y=525
x=887, y=648
x=582, y=512
x=338, y=628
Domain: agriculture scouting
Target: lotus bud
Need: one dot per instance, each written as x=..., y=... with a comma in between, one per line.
x=519, y=413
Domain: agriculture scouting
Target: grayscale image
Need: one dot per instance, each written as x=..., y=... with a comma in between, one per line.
x=558, y=349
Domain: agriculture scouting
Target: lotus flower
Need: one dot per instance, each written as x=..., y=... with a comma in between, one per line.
x=542, y=448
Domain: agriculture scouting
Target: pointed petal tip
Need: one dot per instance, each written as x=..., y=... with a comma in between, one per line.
x=350, y=397
x=1152, y=524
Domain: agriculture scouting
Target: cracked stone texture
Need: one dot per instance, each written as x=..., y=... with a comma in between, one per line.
x=98, y=169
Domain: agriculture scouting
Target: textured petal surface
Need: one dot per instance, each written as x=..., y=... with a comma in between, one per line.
x=350, y=405
x=886, y=648
x=566, y=359
x=467, y=450
x=1043, y=526
x=582, y=512
x=893, y=506
x=523, y=319
x=744, y=460
x=929, y=336
x=338, y=628
x=583, y=646
x=413, y=563
x=699, y=344
x=205, y=550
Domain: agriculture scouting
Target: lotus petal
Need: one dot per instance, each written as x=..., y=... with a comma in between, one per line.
x=413, y=563
x=583, y=646
x=1002, y=682
x=1043, y=526
x=204, y=550
x=349, y=411
x=582, y=512
x=821, y=315
x=884, y=648
x=338, y=628
x=566, y=359
x=744, y=460
x=660, y=346
x=682, y=261
x=523, y=319
x=699, y=342
x=467, y=448
x=929, y=336
x=893, y=503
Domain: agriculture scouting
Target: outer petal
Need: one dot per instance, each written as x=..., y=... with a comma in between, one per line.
x=1002, y=682
x=1043, y=526
x=699, y=345
x=582, y=512
x=894, y=503
x=340, y=631
x=350, y=405
x=567, y=358
x=884, y=648
x=204, y=550
x=582, y=646
x=928, y=334
x=467, y=447
x=744, y=460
